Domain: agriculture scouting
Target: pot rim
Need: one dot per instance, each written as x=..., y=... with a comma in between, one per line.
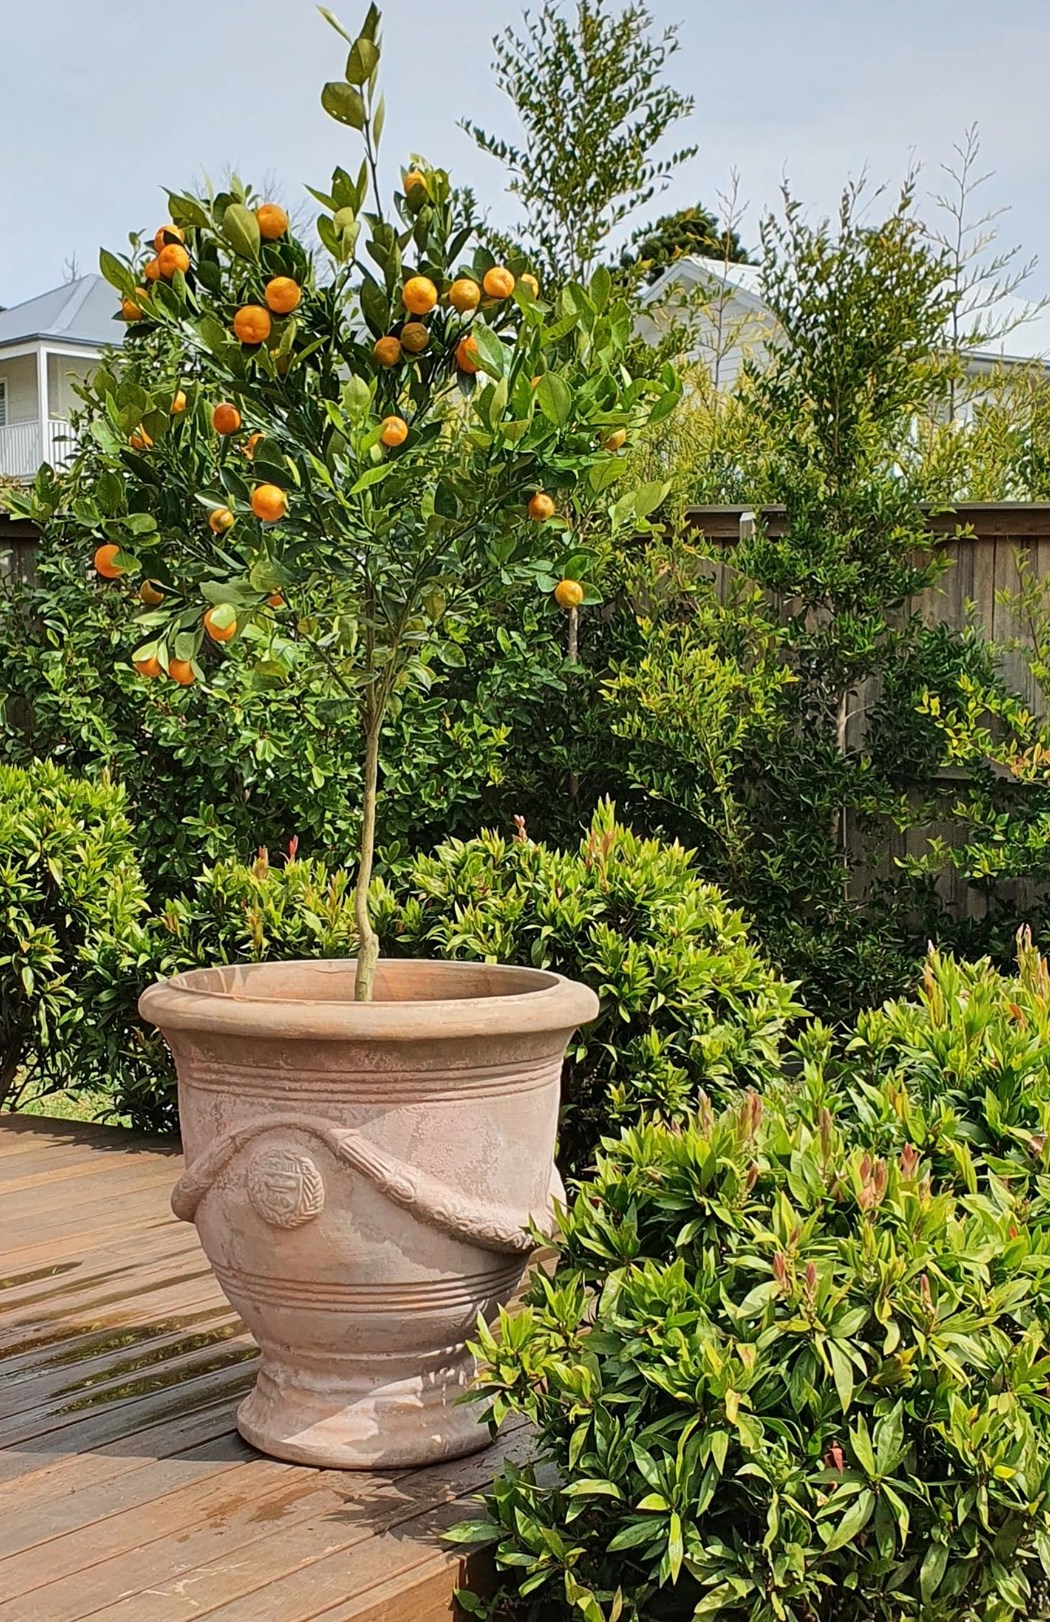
x=550, y=1003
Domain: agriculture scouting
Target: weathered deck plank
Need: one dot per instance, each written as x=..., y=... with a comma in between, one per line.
x=126, y=1494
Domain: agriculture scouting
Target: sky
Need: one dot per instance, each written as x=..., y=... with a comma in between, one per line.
x=106, y=101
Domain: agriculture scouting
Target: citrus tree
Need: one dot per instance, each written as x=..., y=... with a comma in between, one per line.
x=362, y=438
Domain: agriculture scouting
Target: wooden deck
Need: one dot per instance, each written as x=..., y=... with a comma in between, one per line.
x=126, y=1495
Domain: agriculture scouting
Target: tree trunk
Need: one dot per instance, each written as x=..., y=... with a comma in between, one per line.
x=367, y=939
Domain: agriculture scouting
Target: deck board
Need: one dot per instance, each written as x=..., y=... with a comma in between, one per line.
x=126, y=1494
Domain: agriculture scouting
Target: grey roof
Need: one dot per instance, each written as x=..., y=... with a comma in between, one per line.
x=81, y=312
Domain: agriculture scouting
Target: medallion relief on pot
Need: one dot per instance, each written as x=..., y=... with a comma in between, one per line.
x=285, y=1187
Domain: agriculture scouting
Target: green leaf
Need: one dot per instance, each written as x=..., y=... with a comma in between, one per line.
x=554, y=398
x=491, y=353
x=343, y=103
x=933, y=1568
x=664, y=406
x=371, y=476
x=648, y=497
x=853, y=1521
x=592, y=1485
x=634, y=1532
x=675, y=1545
x=601, y=287
x=334, y=22
x=842, y=1370
x=241, y=230
x=116, y=274
x=362, y=61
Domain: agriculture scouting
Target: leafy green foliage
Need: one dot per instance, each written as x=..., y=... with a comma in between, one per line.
x=212, y=776
x=588, y=89
x=688, y=1005
x=71, y=906
x=778, y=1375
x=688, y=231
x=962, y=1072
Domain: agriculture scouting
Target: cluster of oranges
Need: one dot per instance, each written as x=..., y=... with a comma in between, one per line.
x=252, y=324
x=420, y=296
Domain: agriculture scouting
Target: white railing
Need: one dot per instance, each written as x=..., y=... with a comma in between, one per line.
x=24, y=445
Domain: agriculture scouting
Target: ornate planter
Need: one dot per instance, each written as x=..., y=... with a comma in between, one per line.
x=361, y=1176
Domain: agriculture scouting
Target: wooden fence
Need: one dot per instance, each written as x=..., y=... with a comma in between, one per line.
x=983, y=541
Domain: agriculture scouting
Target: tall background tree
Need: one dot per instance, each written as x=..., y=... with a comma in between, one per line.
x=589, y=89
x=686, y=232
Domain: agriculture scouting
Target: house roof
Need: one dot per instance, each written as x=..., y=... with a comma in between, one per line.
x=1027, y=321
x=80, y=312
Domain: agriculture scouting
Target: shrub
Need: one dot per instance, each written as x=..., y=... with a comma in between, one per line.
x=779, y=1377
x=71, y=902
x=962, y=1072
x=689, y=1005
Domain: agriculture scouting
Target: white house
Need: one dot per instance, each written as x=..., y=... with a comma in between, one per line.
x=45, y=344
x=723, y=305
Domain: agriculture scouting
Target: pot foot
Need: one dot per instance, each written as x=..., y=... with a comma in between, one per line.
x=346, y=1417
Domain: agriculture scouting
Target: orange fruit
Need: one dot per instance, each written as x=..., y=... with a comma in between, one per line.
x=275, y=600
x=269, y=503
x=104, y=564
x=225, y=419
x=387, y=351
x=140, y=440
x=152, y=270
x=149, y=667
x=414, y=337
x=252, y=324
x=168, y=234
x=419, y=295
x=616, y=440
x=272, y=220
x=568, y=594
x=529, y=281
x=172, y=258
x=464, y=295
x=129, y=309
x=541, y=507
x=498, y=282
x=395, y=431
x=219, y=633
x=178, y=402
x=250, y=444
x=220, y=519
x=283, y=295
x=150, y=593
x=182, y=671
x=413, y=179
x=466, y=349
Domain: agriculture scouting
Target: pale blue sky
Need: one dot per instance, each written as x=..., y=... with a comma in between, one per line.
x=105, y=100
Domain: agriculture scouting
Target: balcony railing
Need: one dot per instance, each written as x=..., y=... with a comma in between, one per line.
x=24, y=445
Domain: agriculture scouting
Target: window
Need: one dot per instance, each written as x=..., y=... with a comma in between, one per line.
x=3, y=402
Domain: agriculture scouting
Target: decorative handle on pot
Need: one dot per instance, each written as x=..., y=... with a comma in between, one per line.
x=287, y=1190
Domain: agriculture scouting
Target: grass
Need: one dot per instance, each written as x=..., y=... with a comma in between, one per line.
x=87, y=1106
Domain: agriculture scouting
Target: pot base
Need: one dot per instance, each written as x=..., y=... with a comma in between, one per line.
x=354, y=1420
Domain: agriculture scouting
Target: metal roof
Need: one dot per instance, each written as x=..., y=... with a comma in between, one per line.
x=80, y=312
x=1024, y=323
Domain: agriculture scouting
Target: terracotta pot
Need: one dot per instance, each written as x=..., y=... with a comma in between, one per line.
x=361, y=1176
